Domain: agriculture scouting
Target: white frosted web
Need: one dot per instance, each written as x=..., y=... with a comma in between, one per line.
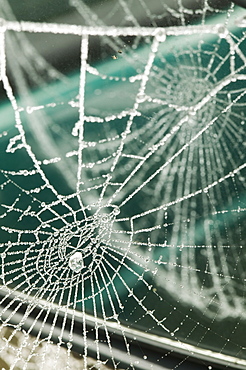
x=142, y=13
x=123, y=189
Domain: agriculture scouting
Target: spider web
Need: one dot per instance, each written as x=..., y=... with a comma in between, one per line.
x=123, y=185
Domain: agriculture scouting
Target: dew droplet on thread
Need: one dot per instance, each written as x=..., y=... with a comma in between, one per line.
x=76, y=262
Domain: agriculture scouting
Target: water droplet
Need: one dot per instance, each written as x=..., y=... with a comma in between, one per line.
x=141, y=98
x=105, y=218
x=222, y=31
x=76, y=262
x=161, y=36
x=116, y=211
x=29, y=110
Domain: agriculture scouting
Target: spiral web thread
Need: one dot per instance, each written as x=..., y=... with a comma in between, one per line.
x=154, y=200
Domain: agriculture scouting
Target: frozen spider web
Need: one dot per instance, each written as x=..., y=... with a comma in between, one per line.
x=123, y=185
